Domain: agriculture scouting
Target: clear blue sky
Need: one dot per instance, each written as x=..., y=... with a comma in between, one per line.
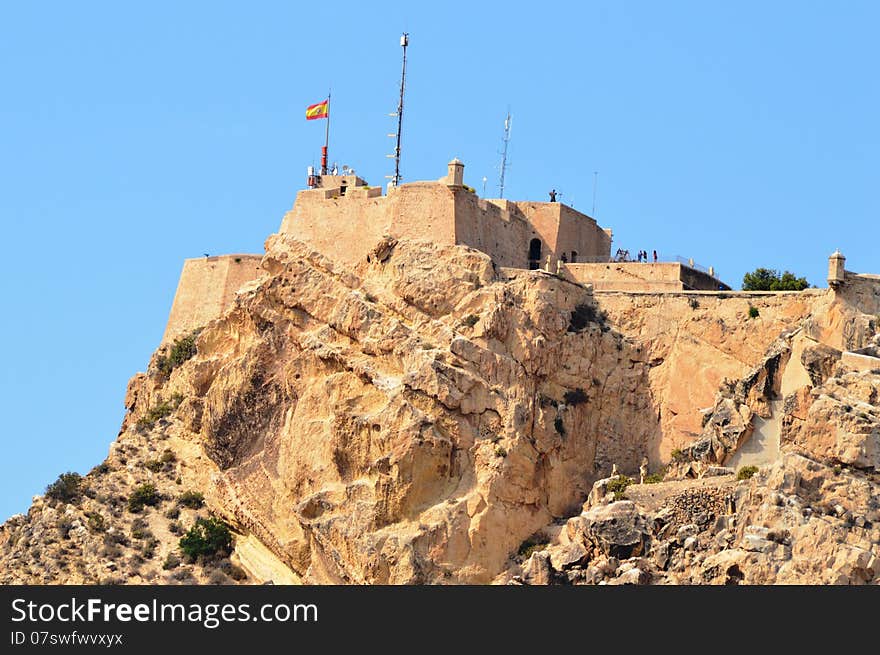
x=134, y=136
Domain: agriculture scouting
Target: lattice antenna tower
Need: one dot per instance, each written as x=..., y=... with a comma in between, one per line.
x=505, y=141
x=395, y=179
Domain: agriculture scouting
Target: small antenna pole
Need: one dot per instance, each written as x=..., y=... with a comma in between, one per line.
x=395, y=180
x=504, y=141
x=595, y=185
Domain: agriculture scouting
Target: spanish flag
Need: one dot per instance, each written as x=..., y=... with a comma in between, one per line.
x=320, y=110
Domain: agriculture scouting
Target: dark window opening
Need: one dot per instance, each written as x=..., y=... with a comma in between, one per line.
x=534, y=254
x=574, y=256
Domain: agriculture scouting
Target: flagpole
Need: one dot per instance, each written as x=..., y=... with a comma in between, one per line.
x=326, y=139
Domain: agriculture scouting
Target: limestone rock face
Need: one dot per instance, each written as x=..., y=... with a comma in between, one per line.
x=615, y=530
x=694, y=343
x=796, y=522
x=425, y=417
x=412, y=419
x=841, y=423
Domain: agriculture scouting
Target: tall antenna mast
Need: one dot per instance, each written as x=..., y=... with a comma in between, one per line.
x=395, y=180
x=505, y=141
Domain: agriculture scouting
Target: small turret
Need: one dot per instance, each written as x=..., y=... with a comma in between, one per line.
x=836, y=271
x=455, y=176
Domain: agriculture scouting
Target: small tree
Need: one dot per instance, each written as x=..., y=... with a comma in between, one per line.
x=180, y=351
x=145, y=494
x=746, y=472
x=765, y=279
x=191, y=499
x=67, y=488
x=207, y=537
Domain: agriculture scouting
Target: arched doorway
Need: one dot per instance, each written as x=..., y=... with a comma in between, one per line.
x=574, y=256
x=534, y=254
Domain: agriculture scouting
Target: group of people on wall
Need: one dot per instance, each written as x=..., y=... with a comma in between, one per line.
x=641, y=257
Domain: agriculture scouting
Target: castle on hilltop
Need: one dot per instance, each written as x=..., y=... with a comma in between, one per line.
x=343, y=218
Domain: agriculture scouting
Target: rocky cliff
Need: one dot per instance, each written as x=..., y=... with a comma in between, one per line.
x=424, y=417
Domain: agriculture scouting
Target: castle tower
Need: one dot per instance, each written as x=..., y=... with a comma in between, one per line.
x=836, y=272
x=455, y=176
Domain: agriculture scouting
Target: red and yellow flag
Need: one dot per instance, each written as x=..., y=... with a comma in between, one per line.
x=319, y=110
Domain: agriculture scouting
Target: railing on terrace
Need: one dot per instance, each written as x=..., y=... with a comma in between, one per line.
x=691, y=263
x=626, y=257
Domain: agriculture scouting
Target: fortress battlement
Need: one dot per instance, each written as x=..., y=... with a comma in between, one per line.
x=343, y=218
x=344, y=223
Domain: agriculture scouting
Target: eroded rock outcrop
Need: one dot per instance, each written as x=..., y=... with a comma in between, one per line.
x=410, y=420
x=423, y=417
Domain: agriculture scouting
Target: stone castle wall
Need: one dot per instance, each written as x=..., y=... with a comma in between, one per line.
x=635, y=276
x=853, y=318
x=347, y=227
x=206, y=289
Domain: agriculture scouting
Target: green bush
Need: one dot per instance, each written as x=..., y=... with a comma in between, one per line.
x=100, y=469
x=67, y=488
x=500, y=451
x=148, y=548
x=746, y=472
x=470, y=320
x=145, y=494
x=531, y=545
x=140, y=529
x=207, y=537
x=765, y=279
x=678, y=455
x=156, y=412
x=619, y=484
x=191, y=499
x=654, y=478
x=753, y=312
x=172, y=561
x=96, y=522
x=233, y=571
x=180, y=351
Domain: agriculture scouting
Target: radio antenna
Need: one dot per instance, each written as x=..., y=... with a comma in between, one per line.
x=395, y=179
x=504, y=141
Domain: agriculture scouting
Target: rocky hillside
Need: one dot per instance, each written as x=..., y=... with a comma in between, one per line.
x=810, y=517
x=424, y=417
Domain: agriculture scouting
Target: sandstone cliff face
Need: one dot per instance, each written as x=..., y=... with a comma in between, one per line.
x=423, y=417
x=812, y=516
x=694, y=342
x=410, y=420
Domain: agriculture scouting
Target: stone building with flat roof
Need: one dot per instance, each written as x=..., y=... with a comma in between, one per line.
x=343, y=218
